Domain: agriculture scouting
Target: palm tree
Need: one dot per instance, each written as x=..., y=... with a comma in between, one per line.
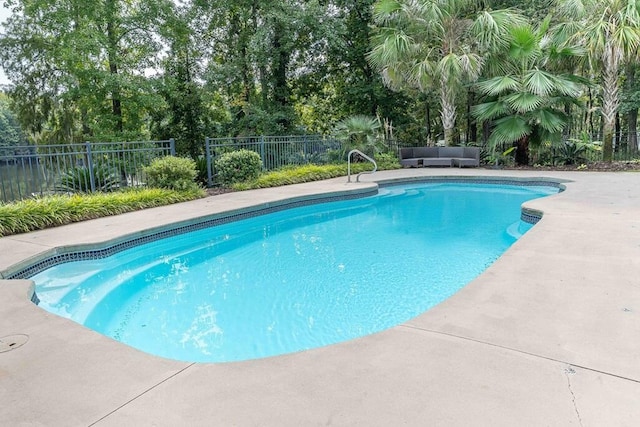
x=525, y=100
x=610, y=31
x=434, y=45
x=361, y=133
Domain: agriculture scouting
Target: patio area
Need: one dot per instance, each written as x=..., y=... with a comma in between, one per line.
x=548, y=335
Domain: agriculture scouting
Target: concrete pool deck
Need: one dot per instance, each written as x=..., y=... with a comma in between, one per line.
x=548, y=335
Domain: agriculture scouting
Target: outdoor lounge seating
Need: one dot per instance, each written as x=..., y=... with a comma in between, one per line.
x=440, y=156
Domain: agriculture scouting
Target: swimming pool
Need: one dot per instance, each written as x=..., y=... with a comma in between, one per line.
x=296, y=279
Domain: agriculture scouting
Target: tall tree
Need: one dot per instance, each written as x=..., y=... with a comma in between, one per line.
x=430, y=44
x=526, y=101
x=610, y=31
x=630, y=104
x=257, y=53
x=185, y=117
x=359, y=88
x=78, y=69
x=10, y=132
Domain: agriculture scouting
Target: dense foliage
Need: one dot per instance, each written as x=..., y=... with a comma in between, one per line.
x=173, y=173
x=10, y=132
x=309, y=173
x=238, y=166
x=114, y=70
x=35, y=214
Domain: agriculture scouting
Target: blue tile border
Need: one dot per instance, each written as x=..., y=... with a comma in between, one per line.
x=530, y=216
x=527, y=215
x=219, y=219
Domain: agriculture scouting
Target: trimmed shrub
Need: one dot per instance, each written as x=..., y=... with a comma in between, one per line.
x=173, y=173
x=238, y=166
x=387, y=161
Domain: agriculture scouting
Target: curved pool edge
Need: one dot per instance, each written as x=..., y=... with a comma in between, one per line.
x=102, y=249
x=528, y=214
x=527, y=359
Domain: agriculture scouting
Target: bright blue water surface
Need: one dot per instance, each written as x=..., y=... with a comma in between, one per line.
x=293, y=280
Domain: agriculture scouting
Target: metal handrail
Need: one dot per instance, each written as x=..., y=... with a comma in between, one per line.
x=375, y=165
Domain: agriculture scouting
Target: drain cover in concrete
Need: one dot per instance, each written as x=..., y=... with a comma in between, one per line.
x=11, y=342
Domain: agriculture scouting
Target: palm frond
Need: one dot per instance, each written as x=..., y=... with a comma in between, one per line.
x=573, y=10
x=421, y=74
x=383, y=10
x=524, y=45
x=568, y=85
x=498, y=85
x=509, y=129
x=490, y=110
x=523, y=102
x=539, y=82
x=550, y=120
x=490, y=27
x=392, y=47
x=628, y=38
x=449, y=68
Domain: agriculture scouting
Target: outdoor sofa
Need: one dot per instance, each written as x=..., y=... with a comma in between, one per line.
x=440, y=156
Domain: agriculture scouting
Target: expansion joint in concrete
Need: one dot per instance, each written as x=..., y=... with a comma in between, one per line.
x=142, y=394
x=515, y=350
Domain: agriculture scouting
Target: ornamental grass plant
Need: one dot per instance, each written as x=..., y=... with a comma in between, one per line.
x=51, y=211
x=308, y=173
x=55, y=210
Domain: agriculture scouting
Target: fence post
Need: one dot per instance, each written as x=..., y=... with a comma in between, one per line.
x=172, y=146
x=207, y=151
x=262, y=151
x=92, y=178
x=304, y=148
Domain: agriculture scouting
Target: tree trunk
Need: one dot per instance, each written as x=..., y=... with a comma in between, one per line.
x=568, y=130
x=428, y=120
x=607, y=143
x=279, y=69
x=486, y=132
x=633, y=130
x=610, y=97
x=472, y=126
x=632, y=118
x=522, y=151
x=262, y=68
x=618, y=133
x=589, y=114
x=448, y=111
x=112, y=57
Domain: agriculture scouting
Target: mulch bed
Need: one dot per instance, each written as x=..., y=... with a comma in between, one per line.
x=622, y=166
x=218, y=190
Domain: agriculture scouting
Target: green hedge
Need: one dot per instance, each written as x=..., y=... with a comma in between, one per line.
x=308, y=173
x=51, y=211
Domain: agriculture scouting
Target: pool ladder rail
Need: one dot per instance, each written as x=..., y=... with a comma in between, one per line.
x=375, y=165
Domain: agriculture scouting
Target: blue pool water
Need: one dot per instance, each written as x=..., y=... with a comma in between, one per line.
x=293, y=280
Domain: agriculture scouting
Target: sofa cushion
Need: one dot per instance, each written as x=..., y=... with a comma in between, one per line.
x=425, y=152
x=406, y=153
x=451, y=152
x=472, y=152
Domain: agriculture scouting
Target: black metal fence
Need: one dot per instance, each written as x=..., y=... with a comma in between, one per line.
x=275, y=151
x=27, y=171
